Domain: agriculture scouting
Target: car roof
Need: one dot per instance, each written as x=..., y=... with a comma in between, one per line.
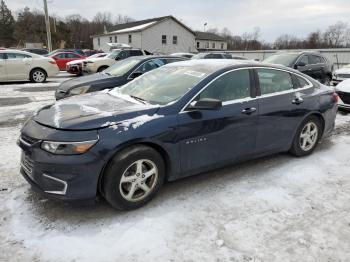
x=213, y=65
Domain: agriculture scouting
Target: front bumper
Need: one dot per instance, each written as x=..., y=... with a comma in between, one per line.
x=62, y=177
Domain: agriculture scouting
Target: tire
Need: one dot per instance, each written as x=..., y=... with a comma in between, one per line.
x=304, y=142
x=100, y=69
x=37, y=75
x=123, y=174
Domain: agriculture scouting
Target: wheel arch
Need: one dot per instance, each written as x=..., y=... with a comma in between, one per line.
x=154, y=145
x=37, y=67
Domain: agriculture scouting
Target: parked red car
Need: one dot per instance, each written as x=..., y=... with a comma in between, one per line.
x=62, y=58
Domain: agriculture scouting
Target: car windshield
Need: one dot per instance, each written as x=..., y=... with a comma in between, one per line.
x=122, y=67
x=163, y=85
x=114, y=54
x=199, y=56
x=281, y=59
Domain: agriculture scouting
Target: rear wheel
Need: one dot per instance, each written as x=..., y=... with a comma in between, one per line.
x=307, y=137
x=133, y=177
x=38, y=75
x=100, y=69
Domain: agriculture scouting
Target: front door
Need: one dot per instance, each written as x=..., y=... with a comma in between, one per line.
x=213, y=137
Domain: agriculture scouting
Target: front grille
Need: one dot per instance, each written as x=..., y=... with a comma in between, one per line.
x=344, y=75
x=345, y=97
x=27, y=164
x=28, y=140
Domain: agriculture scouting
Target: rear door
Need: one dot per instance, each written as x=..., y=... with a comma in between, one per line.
x=282, y=106
x=61, y=60
x=3, y=76
x=18, y=66
x=211, y=137
x=316, y=66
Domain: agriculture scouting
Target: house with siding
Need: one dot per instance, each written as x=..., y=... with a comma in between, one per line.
x=161, y=35
x=206, y=41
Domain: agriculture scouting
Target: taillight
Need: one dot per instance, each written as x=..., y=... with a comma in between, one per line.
x=335, y=97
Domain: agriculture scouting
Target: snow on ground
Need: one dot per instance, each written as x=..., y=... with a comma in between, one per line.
x=278, y=208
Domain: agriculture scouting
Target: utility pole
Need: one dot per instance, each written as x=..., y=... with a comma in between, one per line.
x=48, y=31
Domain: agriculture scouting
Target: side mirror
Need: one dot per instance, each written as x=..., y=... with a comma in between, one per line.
x=205, y=104
x=299, y=64
x=135, y=74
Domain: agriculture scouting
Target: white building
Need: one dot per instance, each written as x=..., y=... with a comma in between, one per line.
x=206, y=41
x=161, y=35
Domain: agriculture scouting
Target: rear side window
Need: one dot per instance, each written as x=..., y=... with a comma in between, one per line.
x=231, y=86
x=2, y=56
x=302, y=82
x=135, y=52
x=61, y=55
x=72, y=56
x=17, y=56
x=213, y=56
x=273, y=81
x=228, y=56
x=315, y=59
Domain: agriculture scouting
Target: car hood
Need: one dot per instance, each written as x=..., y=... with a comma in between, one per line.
x=343, y=86
x=98, y=78
x=92, y=111
x=343, y=71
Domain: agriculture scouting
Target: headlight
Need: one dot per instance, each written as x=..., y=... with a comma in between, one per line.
x=67, y=148
x=79, y=90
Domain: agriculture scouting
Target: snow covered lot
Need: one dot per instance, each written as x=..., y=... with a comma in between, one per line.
x=278, y=208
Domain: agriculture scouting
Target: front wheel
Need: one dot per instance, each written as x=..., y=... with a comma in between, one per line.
x=307, y=137
x=38, y=76
x=102, y=68
x=133, y=177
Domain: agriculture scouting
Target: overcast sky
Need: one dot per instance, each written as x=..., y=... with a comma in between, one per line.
x=274, y=17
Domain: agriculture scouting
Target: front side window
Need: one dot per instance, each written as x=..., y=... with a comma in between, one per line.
x=164, y=39
x=135, y=52
x=273, y=81
x=230, y=86
x=150, y=65
x=304, y=59
x=2, y=56
x=175, y=39
x=214, y=56
x=122, y=67
x=315, y=59
x=163, y=85
x=72, y=56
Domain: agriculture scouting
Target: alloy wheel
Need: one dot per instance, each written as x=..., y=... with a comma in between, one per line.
x=39, y=76
x=308, y=136
x=138, y=180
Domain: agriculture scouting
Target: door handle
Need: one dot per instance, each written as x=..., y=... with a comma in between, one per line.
x=249, y=111
x=298, y=101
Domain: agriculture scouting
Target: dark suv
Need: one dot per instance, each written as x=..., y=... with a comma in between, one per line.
x=309, y=63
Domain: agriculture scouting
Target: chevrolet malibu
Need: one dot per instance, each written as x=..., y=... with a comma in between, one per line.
x=178, y=120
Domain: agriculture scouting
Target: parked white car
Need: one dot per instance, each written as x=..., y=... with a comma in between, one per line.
x=94, y=65
x=343, y=90
x=76, y=66
x=341, y=74
x=20, y=65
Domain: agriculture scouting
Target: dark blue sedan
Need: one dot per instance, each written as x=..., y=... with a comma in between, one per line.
x=175, y=121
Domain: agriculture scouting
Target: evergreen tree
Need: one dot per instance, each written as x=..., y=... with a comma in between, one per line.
x=7, y=23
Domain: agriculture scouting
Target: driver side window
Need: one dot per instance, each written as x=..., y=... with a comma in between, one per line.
x=230, y=86
x=304, y=59
x=150, y=65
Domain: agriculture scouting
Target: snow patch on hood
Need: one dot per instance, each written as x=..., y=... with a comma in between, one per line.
x=134, y=123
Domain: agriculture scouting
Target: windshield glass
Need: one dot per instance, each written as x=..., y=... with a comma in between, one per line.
x=281, y=59
x=114, y=54
x=122, y=67
x=198, y=56
x=163, y=85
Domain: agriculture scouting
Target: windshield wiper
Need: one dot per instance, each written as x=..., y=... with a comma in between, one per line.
x=139, y=99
